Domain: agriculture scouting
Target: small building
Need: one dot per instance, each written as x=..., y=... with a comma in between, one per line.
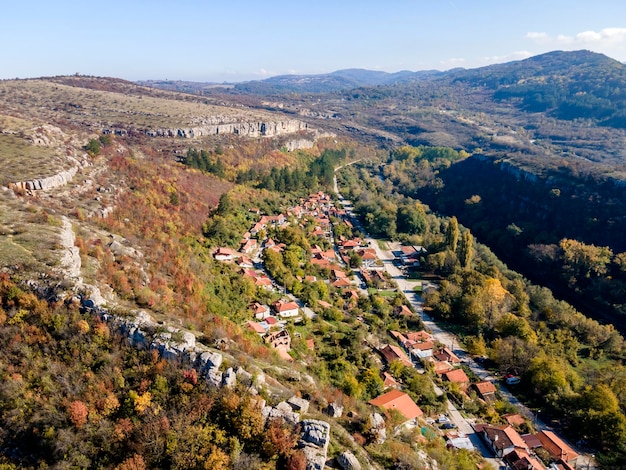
x=441, y=367
x=341, y=283
x=403, y=311
x=393, y=353
x=521, y=459
x=248, y=245
x=399, y=401
x=444, y=354
x=286, y=309
x=516, y=420
x=256, y=327
x=388, y=380
x=261, y=312
x=457, y=440
x=555, y=446
x=244, y=262
x=501, y=439
x=324, y=304
x=224, y=254
x=457, y=376
x=486, y=390
x=419, y=336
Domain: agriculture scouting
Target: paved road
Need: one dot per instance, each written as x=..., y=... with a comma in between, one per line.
x=451, y=341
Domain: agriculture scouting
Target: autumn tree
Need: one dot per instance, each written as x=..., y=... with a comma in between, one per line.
x=584, y=261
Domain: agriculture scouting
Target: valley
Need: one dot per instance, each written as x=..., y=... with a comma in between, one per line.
x=249, y=276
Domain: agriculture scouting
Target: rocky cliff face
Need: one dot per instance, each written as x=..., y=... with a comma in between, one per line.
x=210, y=127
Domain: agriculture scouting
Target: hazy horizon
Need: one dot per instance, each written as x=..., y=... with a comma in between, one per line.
x=214, y=42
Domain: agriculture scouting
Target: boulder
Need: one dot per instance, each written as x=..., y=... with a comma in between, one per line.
x=314, y=442
x=281, y=411
x=214, y=377
x=229, y=378
x=348, y=461
x=209, y=360
x=378, y=429
x=299, y=404
x=315, y=432
x=334, y=410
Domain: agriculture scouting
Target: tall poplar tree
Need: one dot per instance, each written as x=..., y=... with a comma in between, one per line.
x=465, y=257
x=452, y=234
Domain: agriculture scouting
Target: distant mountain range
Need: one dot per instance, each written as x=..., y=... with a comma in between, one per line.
x=565, y=85
x=320, y=83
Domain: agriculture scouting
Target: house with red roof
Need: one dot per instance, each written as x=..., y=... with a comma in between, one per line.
x=457, y=376
x=441, y=367
x=248, y=245
x=244, y=262
x=444, y=354
x=256, y=327
x=555, y=446
x=341, y=283
x=224, y=254
x=389, y=381
x=261, y=312
x=368, y=256
x=419, y=336
x=403, y=311
x=501, y=439
x=393, y=353
x=399, y=401
x=521, y=459
x=486, y=390
x=286, y=308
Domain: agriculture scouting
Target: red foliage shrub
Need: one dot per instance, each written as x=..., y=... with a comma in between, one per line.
x=78, y=413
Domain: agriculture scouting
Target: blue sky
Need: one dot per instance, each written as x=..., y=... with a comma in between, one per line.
x=243, y=40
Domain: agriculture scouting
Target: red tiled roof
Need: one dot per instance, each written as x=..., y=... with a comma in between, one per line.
x=456, y=375
x=419, y=336
x=485, y=387
x=400, y=401
x=342, y=282
x=394, y=353
x=284, y=306
x=256, y=327
x=515, y=419
x=556, y=447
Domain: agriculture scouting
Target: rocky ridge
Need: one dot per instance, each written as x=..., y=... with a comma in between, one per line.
x=209, y=128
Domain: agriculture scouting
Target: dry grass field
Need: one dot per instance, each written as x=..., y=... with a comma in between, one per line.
x=87, y=107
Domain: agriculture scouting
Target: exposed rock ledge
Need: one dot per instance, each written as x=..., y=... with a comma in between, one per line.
x=49, y=182
x=247, y=129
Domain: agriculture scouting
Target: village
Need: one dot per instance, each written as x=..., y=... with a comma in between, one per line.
x=351, y=268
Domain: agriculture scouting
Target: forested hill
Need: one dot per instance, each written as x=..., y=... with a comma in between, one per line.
x=567, y=85
x=561, y=230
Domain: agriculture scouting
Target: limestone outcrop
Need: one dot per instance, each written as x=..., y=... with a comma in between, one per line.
x=50, y=182
x=215, y=126
x=314, y=442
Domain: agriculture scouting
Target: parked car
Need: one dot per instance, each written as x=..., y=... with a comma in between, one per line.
x=443, y=419
x=448, y=426
x=511, y=379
